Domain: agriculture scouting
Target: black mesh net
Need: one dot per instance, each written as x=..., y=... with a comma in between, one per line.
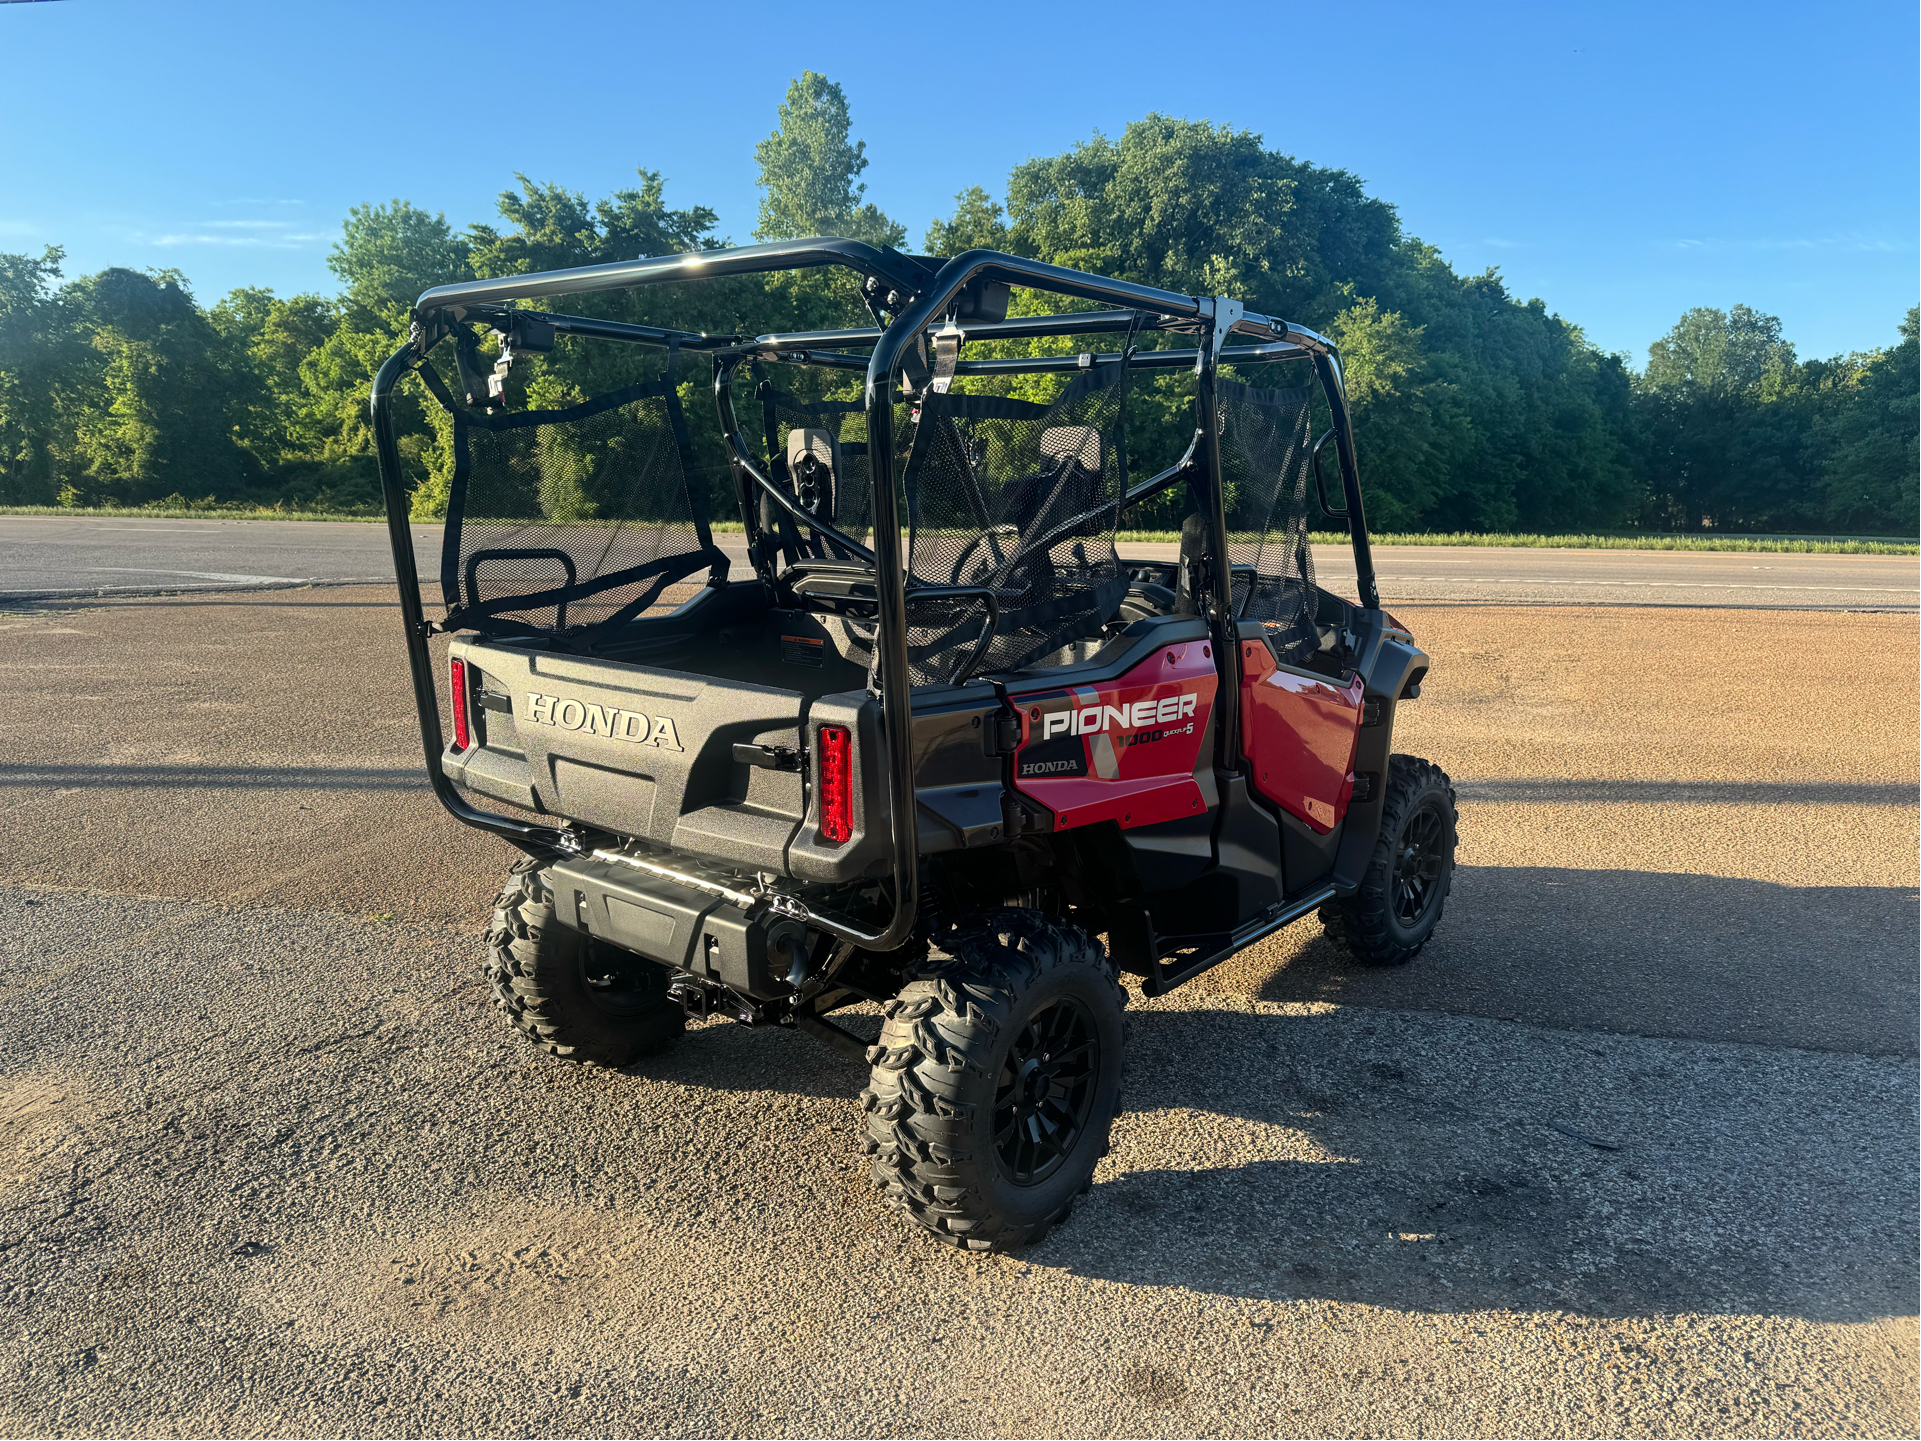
x=1264, y=466
x=1020, y=498
x=559, y=519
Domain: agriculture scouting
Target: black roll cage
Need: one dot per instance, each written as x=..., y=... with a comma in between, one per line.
x=911, y=293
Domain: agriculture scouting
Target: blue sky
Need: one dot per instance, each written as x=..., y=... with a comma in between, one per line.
x=1622, y=161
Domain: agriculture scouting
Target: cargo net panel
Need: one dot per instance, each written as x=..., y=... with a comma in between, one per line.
x=1264, y=468
x=563, y=519
x=1023, y=499
x=834, y=432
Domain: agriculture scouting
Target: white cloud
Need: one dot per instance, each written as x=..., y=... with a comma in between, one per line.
x=279, y=241
x=1851, y=241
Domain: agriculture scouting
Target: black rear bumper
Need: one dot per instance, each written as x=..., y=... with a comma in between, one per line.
x=750, y=952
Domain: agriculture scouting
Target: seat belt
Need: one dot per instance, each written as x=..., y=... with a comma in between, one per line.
x=947, y=344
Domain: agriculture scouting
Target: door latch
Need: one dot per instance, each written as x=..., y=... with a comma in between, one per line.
x=772, y=758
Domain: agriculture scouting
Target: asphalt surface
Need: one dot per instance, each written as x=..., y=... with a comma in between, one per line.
x=274, y=1166
x=46, y=556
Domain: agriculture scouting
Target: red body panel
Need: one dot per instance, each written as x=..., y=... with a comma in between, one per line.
x=1299, y=731
x=1124, y=751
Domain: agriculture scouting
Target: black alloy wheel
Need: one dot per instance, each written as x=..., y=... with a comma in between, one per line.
x=1046, y=1090
x=1419, y=858
x=996, y=1079
x=1392, y=912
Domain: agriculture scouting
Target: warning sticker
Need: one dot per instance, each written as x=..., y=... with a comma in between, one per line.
x=803, y=650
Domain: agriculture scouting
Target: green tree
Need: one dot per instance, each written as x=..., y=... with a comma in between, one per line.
x=388, y=254
x=162, y=418
x=978, y=223
x=1728, y=416
x=809, y=168
x=1719, y=353
x=1871, y=443
x=40, y=352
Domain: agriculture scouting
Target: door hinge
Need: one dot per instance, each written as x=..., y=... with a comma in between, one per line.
x=1001, y=733
x=1017, y=818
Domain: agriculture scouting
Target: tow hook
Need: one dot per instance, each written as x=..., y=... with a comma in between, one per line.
x=701, y=999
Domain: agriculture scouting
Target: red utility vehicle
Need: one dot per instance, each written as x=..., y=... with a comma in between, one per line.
x=940, y=738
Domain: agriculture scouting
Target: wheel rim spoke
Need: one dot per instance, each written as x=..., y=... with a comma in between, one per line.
x=1418, y=862
x=1045, y=1091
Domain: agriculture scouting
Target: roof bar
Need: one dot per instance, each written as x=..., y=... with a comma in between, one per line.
x=889, y=267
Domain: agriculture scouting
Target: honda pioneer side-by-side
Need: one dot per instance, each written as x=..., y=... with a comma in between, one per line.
x=924, y=738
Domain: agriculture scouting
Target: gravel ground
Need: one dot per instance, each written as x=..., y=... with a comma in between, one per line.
x=274, y=1165
x=365, y=1209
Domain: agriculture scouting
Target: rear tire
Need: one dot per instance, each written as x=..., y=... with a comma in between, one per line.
x=1404, y=889
x=996, y=1081
x=571, y=995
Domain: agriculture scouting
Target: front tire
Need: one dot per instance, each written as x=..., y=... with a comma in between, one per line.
x=1404, y=890
x=996, y=1081
x=571, y=995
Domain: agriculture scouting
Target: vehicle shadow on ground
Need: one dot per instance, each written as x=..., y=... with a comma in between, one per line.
x=1413, y=1161
x=1429, y=1163
x=1824, y=967
x=1395, y=1150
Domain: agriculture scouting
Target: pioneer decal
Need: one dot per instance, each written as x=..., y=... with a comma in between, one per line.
x=1123, y=750
x=1092, y=719
x=608, y=722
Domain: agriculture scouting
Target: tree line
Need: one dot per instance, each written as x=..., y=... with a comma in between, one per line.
x=1475, y=411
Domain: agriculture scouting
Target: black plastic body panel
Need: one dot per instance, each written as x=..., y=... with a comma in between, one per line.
x=1247, y=842
x=1307, y=856
x=639, y=751
x=1391, y=662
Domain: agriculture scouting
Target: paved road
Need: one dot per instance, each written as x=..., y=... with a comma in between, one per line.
x=269, y=1163
x=51, y=556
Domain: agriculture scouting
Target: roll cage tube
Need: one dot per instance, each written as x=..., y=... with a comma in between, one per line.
x=890, y=267
x=534, y=839
x=1327, y=365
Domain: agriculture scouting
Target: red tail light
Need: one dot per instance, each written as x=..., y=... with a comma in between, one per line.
x=457, y=688
x=836, y=784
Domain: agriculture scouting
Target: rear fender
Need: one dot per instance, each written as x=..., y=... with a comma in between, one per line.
x=1391, y=664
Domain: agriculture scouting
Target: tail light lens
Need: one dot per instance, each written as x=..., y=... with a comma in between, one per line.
x=457, y=688
x=836, y=784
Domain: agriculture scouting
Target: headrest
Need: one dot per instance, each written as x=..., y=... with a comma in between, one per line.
x=820, y=444
x=1083, y=442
